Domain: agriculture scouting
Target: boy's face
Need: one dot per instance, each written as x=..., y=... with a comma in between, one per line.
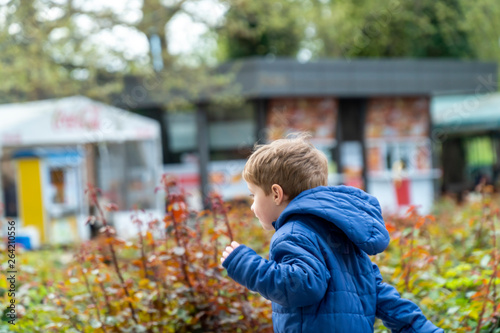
x=265, y=207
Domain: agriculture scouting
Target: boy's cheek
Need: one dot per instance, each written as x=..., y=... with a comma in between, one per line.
x=266, y=226
x=254, y=213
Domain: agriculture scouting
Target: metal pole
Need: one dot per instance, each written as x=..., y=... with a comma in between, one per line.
x=260, y=107
x=203, y=152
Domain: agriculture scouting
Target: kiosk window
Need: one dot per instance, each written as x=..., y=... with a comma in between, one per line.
x=231, y=132
x=127, y=174
x=57, y=185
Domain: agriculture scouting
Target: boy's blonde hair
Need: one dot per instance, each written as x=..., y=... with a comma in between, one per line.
x=293, y=163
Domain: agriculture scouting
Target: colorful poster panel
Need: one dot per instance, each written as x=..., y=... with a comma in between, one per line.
x=315, y=115
x=390, y=117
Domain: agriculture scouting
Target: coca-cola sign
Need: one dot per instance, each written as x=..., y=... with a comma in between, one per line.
x=82, y=118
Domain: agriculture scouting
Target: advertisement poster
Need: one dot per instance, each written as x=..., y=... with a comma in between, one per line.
x=317, y=116
x=397, y=131
x=389, y=117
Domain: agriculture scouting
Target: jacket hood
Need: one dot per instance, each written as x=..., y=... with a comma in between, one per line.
x=352, y=210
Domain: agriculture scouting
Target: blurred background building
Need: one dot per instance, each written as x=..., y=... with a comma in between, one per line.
x=372, y=119
x=469, y=127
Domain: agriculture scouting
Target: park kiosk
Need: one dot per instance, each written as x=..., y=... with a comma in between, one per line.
x=371, y=118
x=52, y=149
x=469, y=140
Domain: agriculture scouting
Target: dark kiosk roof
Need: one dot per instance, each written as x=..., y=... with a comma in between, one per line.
x=261, y=78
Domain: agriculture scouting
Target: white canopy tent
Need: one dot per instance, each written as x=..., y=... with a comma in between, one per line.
x=72, y=120
x=78, y=121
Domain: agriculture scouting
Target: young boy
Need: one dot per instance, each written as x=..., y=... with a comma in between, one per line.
x=318, y=276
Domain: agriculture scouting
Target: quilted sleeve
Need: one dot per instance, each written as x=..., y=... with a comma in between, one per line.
x=295, y=277
x=399, y=314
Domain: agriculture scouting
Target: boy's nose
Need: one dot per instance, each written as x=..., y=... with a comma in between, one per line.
x=251, y=207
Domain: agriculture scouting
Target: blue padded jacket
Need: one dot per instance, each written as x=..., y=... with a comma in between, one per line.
x=319, y=276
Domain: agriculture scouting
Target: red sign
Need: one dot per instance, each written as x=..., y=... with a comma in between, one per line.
x=11, y=138
x=402, y=188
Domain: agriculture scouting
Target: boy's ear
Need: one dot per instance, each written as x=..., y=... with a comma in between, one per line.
x=278, y=195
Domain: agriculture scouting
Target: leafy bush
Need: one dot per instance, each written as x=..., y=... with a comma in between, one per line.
x=169, y=278
x=448, y=263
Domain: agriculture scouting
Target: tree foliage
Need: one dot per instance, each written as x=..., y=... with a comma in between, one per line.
x=52, y=48
x=483, y=28
x=348, y=29
x=398, y=28
x=261, y=28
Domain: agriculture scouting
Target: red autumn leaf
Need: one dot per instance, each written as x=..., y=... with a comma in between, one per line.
x=390, y=227
x=420, y=222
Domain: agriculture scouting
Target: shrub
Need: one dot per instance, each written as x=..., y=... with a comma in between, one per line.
x=169, y=279
x=448, y=264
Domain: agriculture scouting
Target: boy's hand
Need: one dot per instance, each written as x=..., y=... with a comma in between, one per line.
x=228, y=251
